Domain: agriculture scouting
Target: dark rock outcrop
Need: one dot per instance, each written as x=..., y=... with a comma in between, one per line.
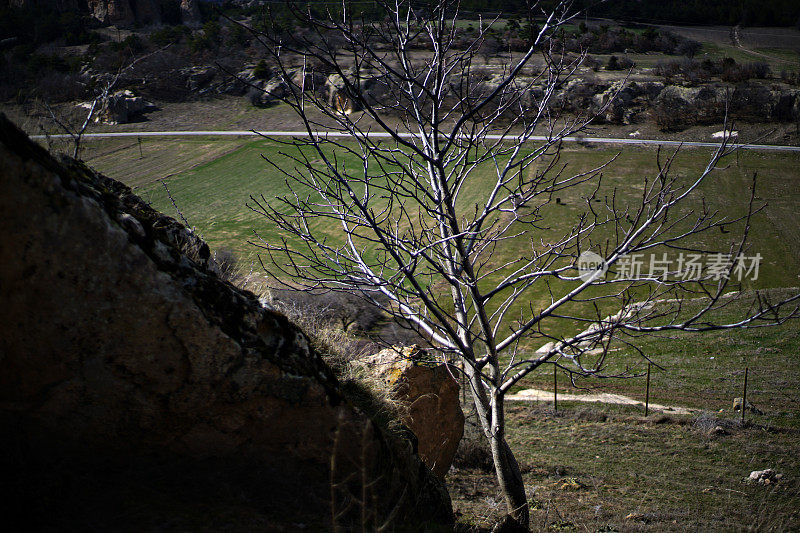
x=190, y=13
x=140, y=391
x=121, y=107
x=117, y=12
x=125, y=12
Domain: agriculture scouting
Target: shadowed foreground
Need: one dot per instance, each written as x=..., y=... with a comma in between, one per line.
x=138, y=390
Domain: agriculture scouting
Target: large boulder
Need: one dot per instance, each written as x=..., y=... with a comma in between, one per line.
x=339, y=97
x=429, y=396
x=622, y=102
x=372, y=86
x=121, y=107
x=677, y=107
x=268, y=92
x=198, y=78
x=139, y=391
x=308, y=81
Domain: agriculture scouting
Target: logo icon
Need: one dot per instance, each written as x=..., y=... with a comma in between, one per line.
x=591, y=266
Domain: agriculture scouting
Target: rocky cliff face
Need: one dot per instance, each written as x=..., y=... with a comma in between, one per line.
x=125, y=12
x=116, y=12
x=121, y=12
x=138, y=390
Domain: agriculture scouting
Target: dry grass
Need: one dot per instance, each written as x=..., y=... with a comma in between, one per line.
x=343, y=351
x=607, y=468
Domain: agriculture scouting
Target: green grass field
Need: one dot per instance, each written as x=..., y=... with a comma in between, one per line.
x=601, y=469
x=595, y=467
x=211, y=183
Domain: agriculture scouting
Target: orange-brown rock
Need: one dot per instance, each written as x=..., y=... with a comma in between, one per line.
x=429, y=394
x=190, y=13
x=139, y=391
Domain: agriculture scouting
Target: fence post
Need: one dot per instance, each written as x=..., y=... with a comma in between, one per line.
x=555, y=388
x=647, y=393
x=744, y=394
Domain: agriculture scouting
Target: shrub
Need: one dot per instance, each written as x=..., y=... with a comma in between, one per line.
x=261, y=70
x=711, y=67
x=237, y=36
x=734, y=74
x=758, y=70
x=168, y=35
x=227, y=265
x=688, y=48
x=667, y=69
x=616, y=63
x=592, y=63
x=212, y=30
x=626, y=63
x=473, y=453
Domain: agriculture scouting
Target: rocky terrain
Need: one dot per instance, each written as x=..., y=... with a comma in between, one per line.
x=139, y=390
x=170, y=53
x=122, y=12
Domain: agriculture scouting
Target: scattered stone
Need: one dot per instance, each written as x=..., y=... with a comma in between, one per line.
x=570, y=483
x=737, y=406
x=764, y=477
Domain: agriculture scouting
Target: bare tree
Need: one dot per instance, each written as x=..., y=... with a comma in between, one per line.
x=395, y=170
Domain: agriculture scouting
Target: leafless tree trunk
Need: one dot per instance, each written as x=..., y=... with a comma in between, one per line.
x=391, y=175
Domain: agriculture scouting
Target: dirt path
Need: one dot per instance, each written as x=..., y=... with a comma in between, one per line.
x=536, y=395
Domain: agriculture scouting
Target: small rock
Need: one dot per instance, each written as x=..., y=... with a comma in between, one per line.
x=737, y=406
x=131, y=225
x=764, y=477
x=570, y=483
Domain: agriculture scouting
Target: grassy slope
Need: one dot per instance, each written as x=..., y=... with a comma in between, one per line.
x=706, y=370
x=213, y=194
x=593, y=467
x=601, y=469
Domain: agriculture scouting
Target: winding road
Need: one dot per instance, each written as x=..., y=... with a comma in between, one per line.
x=535, y=138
